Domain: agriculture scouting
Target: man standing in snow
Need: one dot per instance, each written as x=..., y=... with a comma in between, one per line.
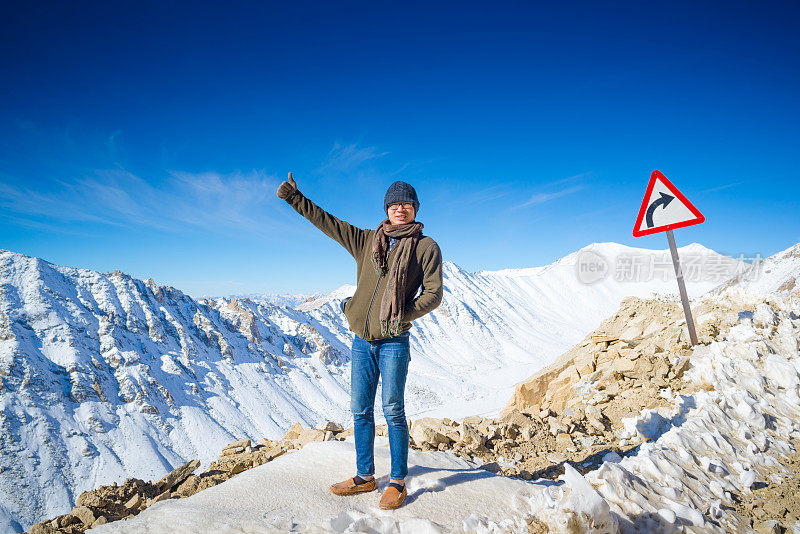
x=393, y=262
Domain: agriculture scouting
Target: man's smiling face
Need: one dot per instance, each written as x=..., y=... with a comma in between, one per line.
x=401, y=212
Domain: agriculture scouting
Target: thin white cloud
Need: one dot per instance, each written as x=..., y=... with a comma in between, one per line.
x=22, y=200
x=493, y=192
x=237, y=203
x=345, y=159
x=111, y=142
x=457, y=196
x=720, y=187
x=570, y=179
x=229, y=204
x=541, y=198
x=364, y=167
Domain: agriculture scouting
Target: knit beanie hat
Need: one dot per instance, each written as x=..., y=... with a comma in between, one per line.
x=400, y=192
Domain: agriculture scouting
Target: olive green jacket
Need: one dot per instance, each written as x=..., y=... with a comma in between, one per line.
x=363, y=310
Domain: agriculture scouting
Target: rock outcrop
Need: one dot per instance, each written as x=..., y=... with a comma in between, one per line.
x=117, y=502
x=645, y=346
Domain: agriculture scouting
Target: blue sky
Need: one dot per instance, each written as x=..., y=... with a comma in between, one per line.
x=150, y=137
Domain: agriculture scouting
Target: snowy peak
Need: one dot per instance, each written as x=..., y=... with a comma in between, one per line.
x=285, y=300
x=611, y=251
x=340, y=293
x=778, y=274
x=450, y=271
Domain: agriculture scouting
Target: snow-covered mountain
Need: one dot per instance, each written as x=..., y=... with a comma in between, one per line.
x=103, y=376
x=494, y=328
x=287, y=300
x=775, y=274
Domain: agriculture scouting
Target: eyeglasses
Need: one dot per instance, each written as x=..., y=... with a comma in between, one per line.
x=404, y=205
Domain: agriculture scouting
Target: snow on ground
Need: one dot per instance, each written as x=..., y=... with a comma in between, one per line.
x=719, y=440
x=445, y=493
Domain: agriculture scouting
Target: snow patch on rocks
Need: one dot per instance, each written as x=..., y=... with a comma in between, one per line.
x=738, y=423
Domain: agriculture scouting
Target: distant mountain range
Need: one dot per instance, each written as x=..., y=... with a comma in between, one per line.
x=104, y=377
x=285, y=300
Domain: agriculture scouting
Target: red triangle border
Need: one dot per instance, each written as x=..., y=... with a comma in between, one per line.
x=657, y=175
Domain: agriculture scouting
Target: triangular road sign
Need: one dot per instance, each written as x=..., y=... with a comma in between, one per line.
x=664, y=208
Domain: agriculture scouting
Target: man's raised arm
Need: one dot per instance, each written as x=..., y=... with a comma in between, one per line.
x=350, y=237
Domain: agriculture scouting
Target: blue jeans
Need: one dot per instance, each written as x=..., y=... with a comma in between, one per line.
x=387, y=358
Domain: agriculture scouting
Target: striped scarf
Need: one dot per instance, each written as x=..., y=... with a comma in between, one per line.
x=394, y=297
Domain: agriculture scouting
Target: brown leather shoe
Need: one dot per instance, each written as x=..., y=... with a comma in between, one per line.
x=392, y=497
x=349, y=487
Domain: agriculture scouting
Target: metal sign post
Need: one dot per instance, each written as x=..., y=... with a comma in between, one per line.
x=661, y=194
x=682, y=288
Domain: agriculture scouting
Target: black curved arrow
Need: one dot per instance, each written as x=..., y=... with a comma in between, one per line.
x=663, y=201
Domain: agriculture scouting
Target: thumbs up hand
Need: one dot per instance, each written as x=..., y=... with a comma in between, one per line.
x=287, y=187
